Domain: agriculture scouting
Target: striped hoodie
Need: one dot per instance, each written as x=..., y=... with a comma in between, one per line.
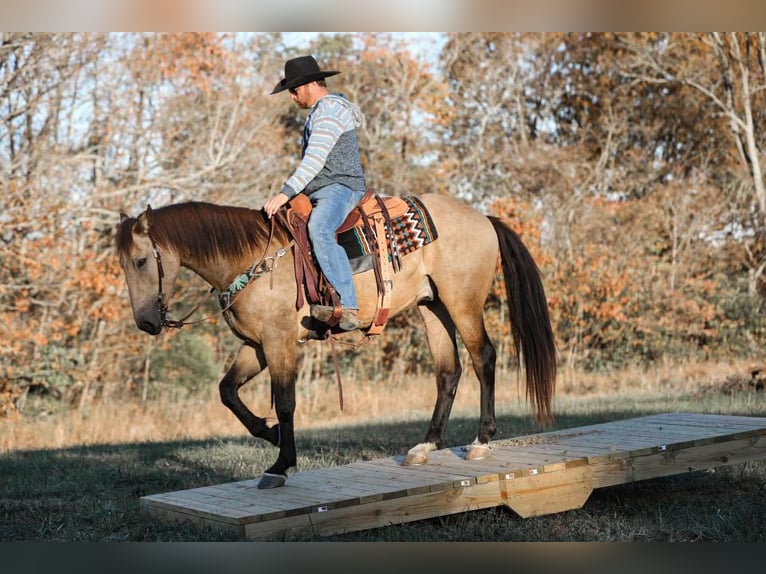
x=330, y=151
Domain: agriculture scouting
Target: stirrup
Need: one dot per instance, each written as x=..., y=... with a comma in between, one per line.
x=349, y=319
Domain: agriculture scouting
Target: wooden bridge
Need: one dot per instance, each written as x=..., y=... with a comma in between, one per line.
x=533, y=475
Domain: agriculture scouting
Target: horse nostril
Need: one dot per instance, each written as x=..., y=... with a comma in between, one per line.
x=149, y=327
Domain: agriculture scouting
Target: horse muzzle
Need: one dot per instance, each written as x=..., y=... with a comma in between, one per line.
x=149, y=327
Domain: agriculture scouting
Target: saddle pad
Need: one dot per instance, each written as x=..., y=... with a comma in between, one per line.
x=411, y=231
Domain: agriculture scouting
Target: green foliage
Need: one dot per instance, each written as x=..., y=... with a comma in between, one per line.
x=187, y=363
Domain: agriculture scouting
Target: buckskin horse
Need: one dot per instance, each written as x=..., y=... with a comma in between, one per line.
x=448, y=280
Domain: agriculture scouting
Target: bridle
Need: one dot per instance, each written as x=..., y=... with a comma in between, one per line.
x=162, y=307
x=227, y=298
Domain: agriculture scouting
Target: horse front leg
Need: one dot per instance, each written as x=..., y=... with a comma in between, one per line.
x=248, y=363
x=282, y=368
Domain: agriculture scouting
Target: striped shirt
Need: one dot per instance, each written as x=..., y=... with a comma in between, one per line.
x=330, y=150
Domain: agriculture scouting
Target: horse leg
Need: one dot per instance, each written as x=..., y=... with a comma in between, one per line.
x=483, y=358
x=440, y=331
x=248, y=363
x=282, y=368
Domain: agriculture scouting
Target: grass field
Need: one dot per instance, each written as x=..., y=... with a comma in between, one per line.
x=79, y=475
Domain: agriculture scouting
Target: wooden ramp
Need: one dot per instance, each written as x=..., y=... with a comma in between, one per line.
x=533, y=475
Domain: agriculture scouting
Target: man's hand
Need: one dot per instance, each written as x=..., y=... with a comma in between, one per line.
x=272, y=205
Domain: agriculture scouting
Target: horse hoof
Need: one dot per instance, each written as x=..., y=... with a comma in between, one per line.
x=477, y=451
x=418, y=454
x=272, y=480
x=415, y=459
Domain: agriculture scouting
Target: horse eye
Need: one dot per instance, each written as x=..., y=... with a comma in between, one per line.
x=140, y=263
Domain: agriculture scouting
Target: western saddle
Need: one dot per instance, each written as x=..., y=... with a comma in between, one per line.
x=372, y=217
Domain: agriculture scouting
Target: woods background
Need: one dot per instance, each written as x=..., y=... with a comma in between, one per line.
x=629, y=163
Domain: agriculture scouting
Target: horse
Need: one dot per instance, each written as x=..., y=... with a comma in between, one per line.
x=448, y=280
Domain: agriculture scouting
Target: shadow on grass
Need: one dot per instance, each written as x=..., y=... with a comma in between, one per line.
x=92, y=493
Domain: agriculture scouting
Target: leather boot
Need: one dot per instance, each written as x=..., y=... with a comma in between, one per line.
x=349, y=319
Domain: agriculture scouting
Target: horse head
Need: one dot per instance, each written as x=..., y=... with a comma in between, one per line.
x=150, y=270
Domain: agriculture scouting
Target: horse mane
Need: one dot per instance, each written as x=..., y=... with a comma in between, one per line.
x=205, y=229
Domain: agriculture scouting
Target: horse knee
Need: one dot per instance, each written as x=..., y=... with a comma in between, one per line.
x=228, y=393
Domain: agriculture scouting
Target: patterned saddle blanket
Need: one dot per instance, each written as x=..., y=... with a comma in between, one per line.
x=411, y=227
x=378, y=225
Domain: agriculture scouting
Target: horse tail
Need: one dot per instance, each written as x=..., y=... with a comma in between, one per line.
x=530, y=322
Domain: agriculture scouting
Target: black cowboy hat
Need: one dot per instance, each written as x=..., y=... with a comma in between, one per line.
x=299, y=71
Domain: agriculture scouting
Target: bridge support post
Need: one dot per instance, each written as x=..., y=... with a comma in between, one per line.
x=536, y=494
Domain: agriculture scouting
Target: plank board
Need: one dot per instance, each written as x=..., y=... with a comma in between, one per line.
x=533, y=475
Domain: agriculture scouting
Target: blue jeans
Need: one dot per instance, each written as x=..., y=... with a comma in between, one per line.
x=332, y=204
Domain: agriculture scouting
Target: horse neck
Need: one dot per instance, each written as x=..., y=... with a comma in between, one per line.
x=211, y=242
x=215, y=272
x=219, y=272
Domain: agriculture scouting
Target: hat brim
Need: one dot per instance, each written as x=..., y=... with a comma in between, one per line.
x=284, y=84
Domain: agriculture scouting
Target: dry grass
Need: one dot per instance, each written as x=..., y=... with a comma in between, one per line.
x=202, y=416
x=79, y=475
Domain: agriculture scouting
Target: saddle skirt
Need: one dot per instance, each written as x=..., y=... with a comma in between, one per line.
x=375, y=235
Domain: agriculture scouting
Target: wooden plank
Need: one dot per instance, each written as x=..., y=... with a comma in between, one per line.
x=542, y=459
x=519, y=457
x=475, y=471
x=361, y=490
x=156, y=509
x=389, y=485
x=571, y=451
x=485, y=470
x=560, y=457
x=168, y=505
x=533, y=475
x=629, y=439
x=204, y=504
x=444, y=475
x=439, y=479
x=386, y=512
x=616, y=443
x=676, y=462
x=715, y=419
x=718, y=424
x=685, y=431
x=295, y=500
x=674, y=433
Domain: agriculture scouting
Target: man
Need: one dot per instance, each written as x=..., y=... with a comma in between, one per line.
x=330, y=173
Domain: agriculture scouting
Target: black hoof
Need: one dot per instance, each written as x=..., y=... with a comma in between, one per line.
x=272, y=480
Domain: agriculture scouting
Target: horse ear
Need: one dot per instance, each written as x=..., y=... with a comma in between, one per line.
x=123, y=216
x=145, y=220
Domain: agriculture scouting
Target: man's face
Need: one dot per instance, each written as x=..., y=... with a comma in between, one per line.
x=301, y=96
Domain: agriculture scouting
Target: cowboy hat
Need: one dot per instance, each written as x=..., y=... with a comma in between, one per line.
x=299, y=71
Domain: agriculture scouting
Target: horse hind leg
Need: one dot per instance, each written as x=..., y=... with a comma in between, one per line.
x=468, y=314
x=440, y=331
x=483, y=358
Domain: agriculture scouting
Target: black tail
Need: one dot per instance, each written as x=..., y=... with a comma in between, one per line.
x=530, y=322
